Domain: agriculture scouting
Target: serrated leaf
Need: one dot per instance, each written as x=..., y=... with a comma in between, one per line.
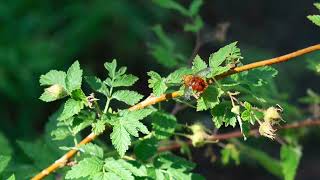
x=219, y=70
x=106, y=176
x=53, y=77
x=168, y=160
x=125, y=80
x=198, y=64
x=222, y=114
x=134, y=167
x=74, y=77
x=114, y=166
x=157, y=83
x=120, y=139
x=82, y=121
x=163, y=125
x=60, y=133
x=209, y=98
x=134, y=126
x=111, y=68
x=4, y=161
x=177, y=76
x=260, y=76
x=97, y=85
x=85, y=167
x=71, y=108
x=128, y=97
x=98, y=127
x=230, y=152
x=217, y=58
x=315, y=19
x=92, y=149
x=146, y=148
x=290, y=157
x=138, y=114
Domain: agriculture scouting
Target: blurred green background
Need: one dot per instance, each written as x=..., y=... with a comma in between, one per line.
x=36, y=36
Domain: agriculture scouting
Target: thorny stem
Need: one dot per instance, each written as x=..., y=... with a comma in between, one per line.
x=153, y=100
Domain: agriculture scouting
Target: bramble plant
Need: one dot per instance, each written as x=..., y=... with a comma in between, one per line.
x=139, y=137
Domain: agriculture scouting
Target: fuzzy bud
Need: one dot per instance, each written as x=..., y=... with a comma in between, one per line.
x=267, y=130
x=272, y=115
x=199, y=134
x=56, y=91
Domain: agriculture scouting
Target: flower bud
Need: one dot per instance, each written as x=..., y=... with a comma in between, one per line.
x=56, y=91
x=199, y=134
x=267, y=130
x=272, y=115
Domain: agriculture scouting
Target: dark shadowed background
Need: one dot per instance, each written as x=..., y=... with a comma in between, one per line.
x=36, y=36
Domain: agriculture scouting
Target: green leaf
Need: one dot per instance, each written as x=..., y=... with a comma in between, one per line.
x=128, y=97
x=134, y=167
x=60, y=133
x=209, y=98
x=6, y=148
x=195, y=26
x=194, y=7
x=138, y=114
x=171, y=4
x=217, y=58
x=163, y=125
x=98, y=127
x=125, y=80
x=115, y=167
x=315, y=19
x=74, y=77
x=230, y=152
x=85, y=167
x=146, y=148
x=219, y=70
x=4, y=161
x=97, y=85
x=290, y=157
x=157, y=83
x=105, y=176
x=317, y=5
x=221, y=113
x=71, y=108
x=83, y=120
x=92, y=149
x=53, y=77
x=168, y=160
x=198, y=64
x=133, y=126
x=12, y=177
x=79, y=95
x=260, y=76
x=177, y=76
x=120, y=139
x=111, y=68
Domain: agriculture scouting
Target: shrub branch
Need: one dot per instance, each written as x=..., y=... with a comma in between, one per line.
x=153, y=100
